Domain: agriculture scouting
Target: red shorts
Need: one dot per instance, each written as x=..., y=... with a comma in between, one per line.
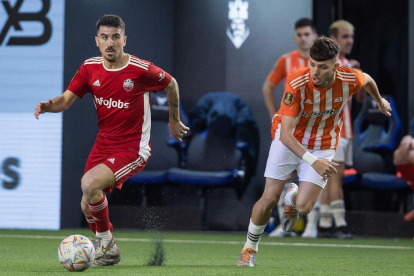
x=407, y=173
x=124, y=163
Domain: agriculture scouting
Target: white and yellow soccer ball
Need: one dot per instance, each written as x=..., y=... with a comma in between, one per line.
x=76, y=253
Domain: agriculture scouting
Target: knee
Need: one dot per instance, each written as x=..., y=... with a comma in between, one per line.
x=304, y=207
x=84, y=206
x=88, y=184
x=269, y=202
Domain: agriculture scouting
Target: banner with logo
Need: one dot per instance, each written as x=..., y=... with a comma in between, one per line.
x=31, y=54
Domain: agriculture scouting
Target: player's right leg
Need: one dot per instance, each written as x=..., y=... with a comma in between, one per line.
x=93, y=183
x=280, y=164
x=261, y=213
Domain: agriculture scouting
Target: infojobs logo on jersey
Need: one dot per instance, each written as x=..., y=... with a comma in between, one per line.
x=110, y=103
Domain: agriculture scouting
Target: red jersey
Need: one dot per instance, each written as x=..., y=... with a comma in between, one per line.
x=318, y=112
x=122, y=100
x=286, y=65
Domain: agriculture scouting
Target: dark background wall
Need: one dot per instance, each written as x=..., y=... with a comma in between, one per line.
x=188, y=39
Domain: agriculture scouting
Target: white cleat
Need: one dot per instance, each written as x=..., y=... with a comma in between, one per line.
x=247, y=257
x=106, y=252
x=278, y=232
x=310, y=232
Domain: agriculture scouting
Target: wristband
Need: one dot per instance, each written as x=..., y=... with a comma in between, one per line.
x=309, y=158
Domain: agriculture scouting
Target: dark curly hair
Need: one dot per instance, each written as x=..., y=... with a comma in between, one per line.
x=324, y=49
x=111, y=20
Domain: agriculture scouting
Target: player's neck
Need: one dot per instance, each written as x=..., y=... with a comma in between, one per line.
x=118, y=63
x=304, y=53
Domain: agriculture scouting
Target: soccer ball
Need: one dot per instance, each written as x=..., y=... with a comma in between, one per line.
x=76, y=253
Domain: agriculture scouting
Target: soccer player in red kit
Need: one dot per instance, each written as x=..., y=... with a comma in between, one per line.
x=305, y=133
x=120, y=85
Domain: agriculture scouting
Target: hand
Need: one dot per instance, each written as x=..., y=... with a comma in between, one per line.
x=385, y=107
x=177, y=129
x=324, y=168
x=354, y=63
x=43, y=107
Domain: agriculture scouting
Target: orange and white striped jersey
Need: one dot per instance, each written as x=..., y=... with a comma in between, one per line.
x=318, y=112
x=346, y=131
x=286, y=65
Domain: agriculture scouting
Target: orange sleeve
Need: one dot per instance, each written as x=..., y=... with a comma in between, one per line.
x=290, y=104
x=360, y=80
x=278, y=72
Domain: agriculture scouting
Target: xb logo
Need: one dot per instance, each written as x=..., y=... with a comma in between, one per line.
x=15, y=18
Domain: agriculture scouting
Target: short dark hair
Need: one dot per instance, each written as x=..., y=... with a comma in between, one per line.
x=324, y=49
x=111, y=20
x=305, y=22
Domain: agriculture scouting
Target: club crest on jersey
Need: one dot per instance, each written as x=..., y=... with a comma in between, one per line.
x=288, y=98
x=128, y=85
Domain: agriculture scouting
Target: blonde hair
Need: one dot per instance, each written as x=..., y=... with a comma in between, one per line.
x=333, y=29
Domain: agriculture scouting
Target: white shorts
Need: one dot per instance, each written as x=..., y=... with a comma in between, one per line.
x=282, y=162
x=344, y=151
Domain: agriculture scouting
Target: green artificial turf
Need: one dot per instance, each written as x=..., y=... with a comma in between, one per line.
x=210, y=253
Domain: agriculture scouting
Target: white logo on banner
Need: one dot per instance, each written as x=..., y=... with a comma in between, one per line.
x=237, y=31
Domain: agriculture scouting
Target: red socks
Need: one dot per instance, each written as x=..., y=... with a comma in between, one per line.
x=100, y=215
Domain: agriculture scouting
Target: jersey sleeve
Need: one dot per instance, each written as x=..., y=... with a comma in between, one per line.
x=290, y=104
x=360, y=80
x=279, y=71
x=79, y=83
x=155, y=79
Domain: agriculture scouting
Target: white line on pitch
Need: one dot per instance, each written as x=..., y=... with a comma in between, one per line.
x=226, y=242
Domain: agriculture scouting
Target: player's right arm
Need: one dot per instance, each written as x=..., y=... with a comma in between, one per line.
x=273, y=79
x=269, y=98
x=58, y=104
x=322, y=167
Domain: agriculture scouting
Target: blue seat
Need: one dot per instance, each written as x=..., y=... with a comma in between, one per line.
x=222, y=149
x=223, y=146
x=377, y=136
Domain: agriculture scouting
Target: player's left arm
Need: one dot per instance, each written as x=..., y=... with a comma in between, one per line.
x=177, y=128
x=372, y=88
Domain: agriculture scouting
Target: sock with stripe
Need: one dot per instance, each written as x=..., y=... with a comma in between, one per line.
x=253, y=236
x=91, y=223
x=325, y=220
x=338, y=212
x=100, y=214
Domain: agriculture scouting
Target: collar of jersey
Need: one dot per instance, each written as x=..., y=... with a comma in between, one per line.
x=117, y=69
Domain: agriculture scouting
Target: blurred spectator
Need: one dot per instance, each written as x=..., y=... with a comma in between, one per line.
x=332, y=198
x=404, y=162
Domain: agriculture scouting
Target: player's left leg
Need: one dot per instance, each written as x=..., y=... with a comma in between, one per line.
x=89, y=217
x=312, y=219
x=301, y=200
